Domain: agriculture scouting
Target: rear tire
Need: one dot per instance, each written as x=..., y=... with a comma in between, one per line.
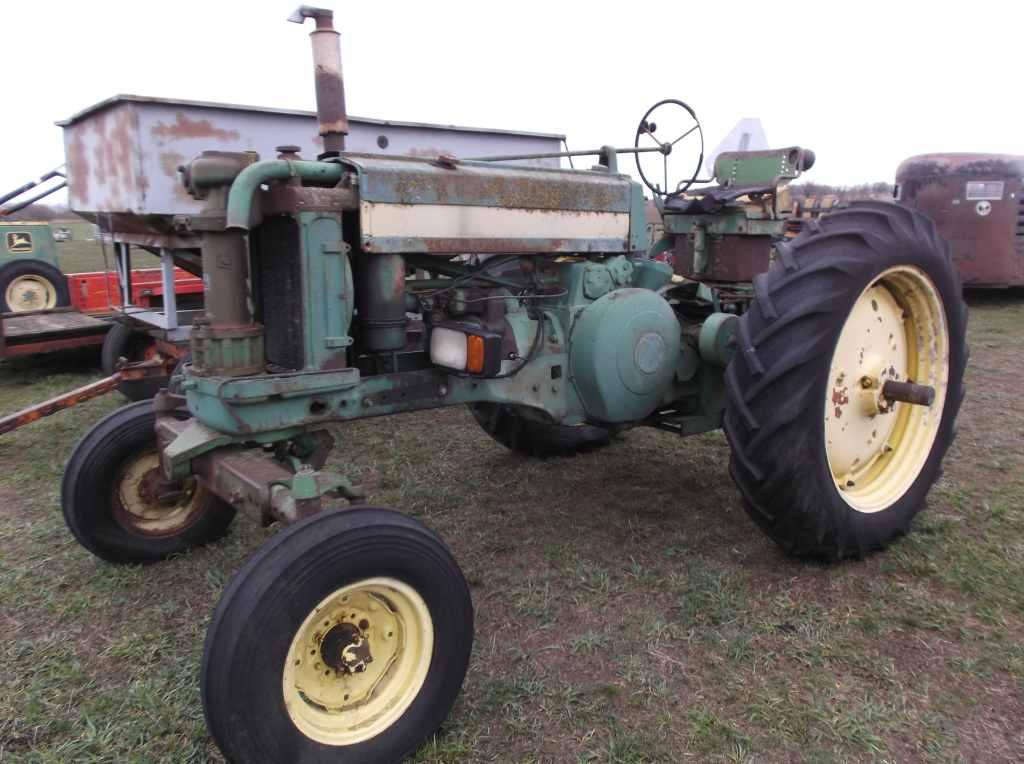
x=285, y=675
x=122, y=341
x=531, y=437
x=32, y=285
x=115, y=504
x=821, y=471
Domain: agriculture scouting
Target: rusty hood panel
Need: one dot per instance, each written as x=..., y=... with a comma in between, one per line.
x=450, y=207
x=400, y=180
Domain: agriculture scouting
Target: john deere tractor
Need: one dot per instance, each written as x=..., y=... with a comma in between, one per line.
x=830, y=349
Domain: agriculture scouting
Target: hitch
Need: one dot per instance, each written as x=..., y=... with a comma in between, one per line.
x=81, y=394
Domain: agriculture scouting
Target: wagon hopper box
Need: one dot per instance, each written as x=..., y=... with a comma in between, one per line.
x=124, y=153
x=343, y=284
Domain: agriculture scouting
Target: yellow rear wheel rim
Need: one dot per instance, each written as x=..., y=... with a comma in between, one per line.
x=896, y=330
x=30, y=292
x=358, y=661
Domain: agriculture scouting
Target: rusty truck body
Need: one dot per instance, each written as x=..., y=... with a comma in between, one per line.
x=977, y=202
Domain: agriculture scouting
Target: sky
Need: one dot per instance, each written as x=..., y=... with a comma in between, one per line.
x=864, y=84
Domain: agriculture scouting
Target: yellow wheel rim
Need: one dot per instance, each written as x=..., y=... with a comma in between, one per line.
x=895, y=331
x=358, y=661
x=144, y=504
x=30, y=292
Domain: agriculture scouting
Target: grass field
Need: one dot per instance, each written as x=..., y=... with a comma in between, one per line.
x=627, y=610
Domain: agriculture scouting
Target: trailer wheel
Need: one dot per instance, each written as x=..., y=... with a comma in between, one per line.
x=343, y=639
x=117, y=504
x=534, y=438
x=122, y=341
x=32, y=285
x=828, y=465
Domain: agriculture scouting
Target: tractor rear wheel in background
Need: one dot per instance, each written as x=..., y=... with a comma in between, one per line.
x=831, y=457
x=122, y=341
x=32, y=285
x=117, y=503
x=531, y=437
x=345, y=638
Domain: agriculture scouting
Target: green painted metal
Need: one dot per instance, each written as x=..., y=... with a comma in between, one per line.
x=717, y=339
x=601, y=340
x=758, y=168
x=408, y=180
x=27, y=241
x=227, y=350
x=328, y=289
x=730, y=222
x=651, y=274
x=249, y=180
x=518, y=197
x=624, y=350
x=639, y=236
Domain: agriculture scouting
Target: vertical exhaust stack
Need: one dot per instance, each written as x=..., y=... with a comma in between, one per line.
x=330, y=88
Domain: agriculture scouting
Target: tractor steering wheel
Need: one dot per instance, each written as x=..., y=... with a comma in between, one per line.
x=675, y=119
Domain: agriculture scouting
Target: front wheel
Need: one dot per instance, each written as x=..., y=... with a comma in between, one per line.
x=343, y=639
x=117, y=503
x=862, y=313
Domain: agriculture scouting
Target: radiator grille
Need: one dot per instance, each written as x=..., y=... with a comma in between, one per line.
x=277, y=289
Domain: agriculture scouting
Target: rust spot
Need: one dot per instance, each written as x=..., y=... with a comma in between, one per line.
x=60, y=403
x=78, y=168
x=840, y=398
x=183, y=127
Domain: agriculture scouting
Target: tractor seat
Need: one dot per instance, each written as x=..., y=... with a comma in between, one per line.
x=705, y=201
x=741, y=173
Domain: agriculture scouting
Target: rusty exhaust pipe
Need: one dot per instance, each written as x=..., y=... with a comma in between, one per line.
x=330, y=88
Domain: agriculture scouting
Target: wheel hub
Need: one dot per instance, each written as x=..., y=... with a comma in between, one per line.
x=30, y=292
x=147, y=504
x=344, y=648
x=358, y=661
x=892, y=353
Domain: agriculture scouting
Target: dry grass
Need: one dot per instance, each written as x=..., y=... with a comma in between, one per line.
x=627, y=610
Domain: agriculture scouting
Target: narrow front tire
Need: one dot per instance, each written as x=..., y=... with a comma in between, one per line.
x=343, y=639
x=117, y=504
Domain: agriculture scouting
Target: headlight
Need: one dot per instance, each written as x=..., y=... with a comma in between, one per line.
x=466, y=348
x=448, y=347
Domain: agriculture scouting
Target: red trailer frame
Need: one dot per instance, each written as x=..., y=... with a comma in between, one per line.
x=95, y=300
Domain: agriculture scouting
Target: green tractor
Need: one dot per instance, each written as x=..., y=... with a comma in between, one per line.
x=30, y=276
x=831, y=349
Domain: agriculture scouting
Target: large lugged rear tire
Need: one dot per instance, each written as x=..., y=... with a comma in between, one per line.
x=343, y=639
x=531, y=437
x=116, y=503
x=828, y=467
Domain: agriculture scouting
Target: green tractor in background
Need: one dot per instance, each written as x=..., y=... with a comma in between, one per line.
x=832, y=350
x=30, y=276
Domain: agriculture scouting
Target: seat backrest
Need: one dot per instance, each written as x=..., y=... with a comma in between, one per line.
x=772, y=167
